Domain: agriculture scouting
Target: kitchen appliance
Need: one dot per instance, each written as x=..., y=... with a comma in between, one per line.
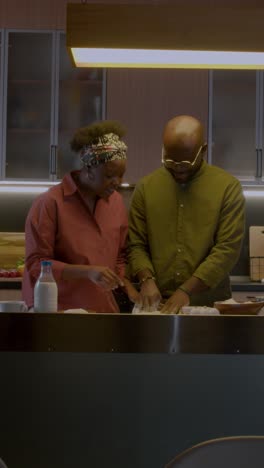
x=12, y=248
x=13, y=306
x=256, y=252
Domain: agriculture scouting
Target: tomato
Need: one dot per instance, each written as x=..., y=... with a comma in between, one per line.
x=12, y=273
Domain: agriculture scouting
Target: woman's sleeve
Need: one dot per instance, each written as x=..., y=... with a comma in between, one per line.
x=40, y=233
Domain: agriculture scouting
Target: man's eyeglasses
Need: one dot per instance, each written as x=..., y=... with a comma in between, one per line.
x=184, y=164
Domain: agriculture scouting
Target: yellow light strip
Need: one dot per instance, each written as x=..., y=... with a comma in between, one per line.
x=140, y=58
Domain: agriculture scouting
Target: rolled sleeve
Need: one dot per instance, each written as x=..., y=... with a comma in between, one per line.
x=40, y=238
x=139, y=256
x=229, y=236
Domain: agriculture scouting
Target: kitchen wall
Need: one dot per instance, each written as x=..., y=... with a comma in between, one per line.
x=142, y=99
x=14, y=208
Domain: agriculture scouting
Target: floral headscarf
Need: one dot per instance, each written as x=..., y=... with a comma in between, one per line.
x=109, y=147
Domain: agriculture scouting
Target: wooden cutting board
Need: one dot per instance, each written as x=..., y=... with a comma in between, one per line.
x=256, y=252
x=12, y=248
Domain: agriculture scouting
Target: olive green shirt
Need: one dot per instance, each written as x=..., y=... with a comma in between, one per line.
x=182, y=230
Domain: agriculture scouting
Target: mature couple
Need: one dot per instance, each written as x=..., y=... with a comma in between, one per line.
x=186, y=225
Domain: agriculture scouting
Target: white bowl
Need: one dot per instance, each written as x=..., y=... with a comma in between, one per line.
x=13, y=306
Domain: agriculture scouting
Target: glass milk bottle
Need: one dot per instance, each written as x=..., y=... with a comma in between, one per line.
x=46, y=290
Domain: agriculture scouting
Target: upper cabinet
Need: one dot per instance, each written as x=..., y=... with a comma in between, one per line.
x=28, y=105
x=81, y=100
x=236, y=123
x=1, y=92
x=45, y=99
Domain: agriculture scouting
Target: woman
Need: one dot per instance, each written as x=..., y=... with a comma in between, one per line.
x=81, y=225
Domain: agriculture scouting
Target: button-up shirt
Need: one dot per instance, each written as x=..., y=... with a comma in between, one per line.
x=61, y=228
x=179, y=230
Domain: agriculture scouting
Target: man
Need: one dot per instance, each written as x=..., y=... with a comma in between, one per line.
x=186, y=224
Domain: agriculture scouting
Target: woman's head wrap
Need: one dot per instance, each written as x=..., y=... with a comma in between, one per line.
x=108, y=147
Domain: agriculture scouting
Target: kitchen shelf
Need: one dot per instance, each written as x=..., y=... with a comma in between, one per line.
x=28, y=130
x=82, y=82
x=19, y=82
x=11, y=280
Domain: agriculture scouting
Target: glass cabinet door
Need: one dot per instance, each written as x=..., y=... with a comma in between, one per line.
x=29, y=105
x=234, y=122
x=1, y=100
x=80, y=104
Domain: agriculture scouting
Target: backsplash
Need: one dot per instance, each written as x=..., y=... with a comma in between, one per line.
x=15, y=206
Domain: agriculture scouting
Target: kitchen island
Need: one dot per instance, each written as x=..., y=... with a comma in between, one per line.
x=130, y=391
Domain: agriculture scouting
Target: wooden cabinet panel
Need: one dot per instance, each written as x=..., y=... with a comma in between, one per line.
x=10, y=295
x=34, y=14
x=143, y=100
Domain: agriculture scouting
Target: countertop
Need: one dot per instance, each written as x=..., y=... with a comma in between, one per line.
x=127, y=333
x=243, y=283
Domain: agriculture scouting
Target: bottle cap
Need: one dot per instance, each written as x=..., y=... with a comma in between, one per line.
x=46, y=263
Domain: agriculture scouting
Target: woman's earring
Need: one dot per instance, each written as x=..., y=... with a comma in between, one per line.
x=90, y=174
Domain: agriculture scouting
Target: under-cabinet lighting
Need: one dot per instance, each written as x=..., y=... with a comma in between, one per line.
x=254, y=193
x=22, y=189
x=36, y=188
x=27, y=183
x=12, y=186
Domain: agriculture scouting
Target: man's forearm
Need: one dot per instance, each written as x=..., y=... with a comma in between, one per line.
x=193, y=285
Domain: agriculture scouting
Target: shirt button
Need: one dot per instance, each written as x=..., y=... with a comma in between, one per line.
x=179, y=250
x=181, y=205
x=178, y=274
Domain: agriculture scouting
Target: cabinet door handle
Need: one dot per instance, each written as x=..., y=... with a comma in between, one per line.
x=53, y=161
x=259, y=163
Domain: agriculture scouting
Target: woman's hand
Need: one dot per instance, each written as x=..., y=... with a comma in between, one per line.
x=131, y=291
x=100, y=275
x=104, y=277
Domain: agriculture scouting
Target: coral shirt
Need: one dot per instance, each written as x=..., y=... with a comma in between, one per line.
x=60, y=228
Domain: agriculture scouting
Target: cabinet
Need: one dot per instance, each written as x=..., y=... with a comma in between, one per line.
x=236, y=122
x=1, y=91
x=45, y=99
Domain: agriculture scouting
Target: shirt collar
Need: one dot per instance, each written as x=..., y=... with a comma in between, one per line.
x=68, y=184
x=195, y=176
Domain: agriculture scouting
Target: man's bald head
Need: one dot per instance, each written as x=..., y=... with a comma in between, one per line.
x=182, y=137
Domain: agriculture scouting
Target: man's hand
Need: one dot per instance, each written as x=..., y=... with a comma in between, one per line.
x=149, y=297
x=175, y=302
